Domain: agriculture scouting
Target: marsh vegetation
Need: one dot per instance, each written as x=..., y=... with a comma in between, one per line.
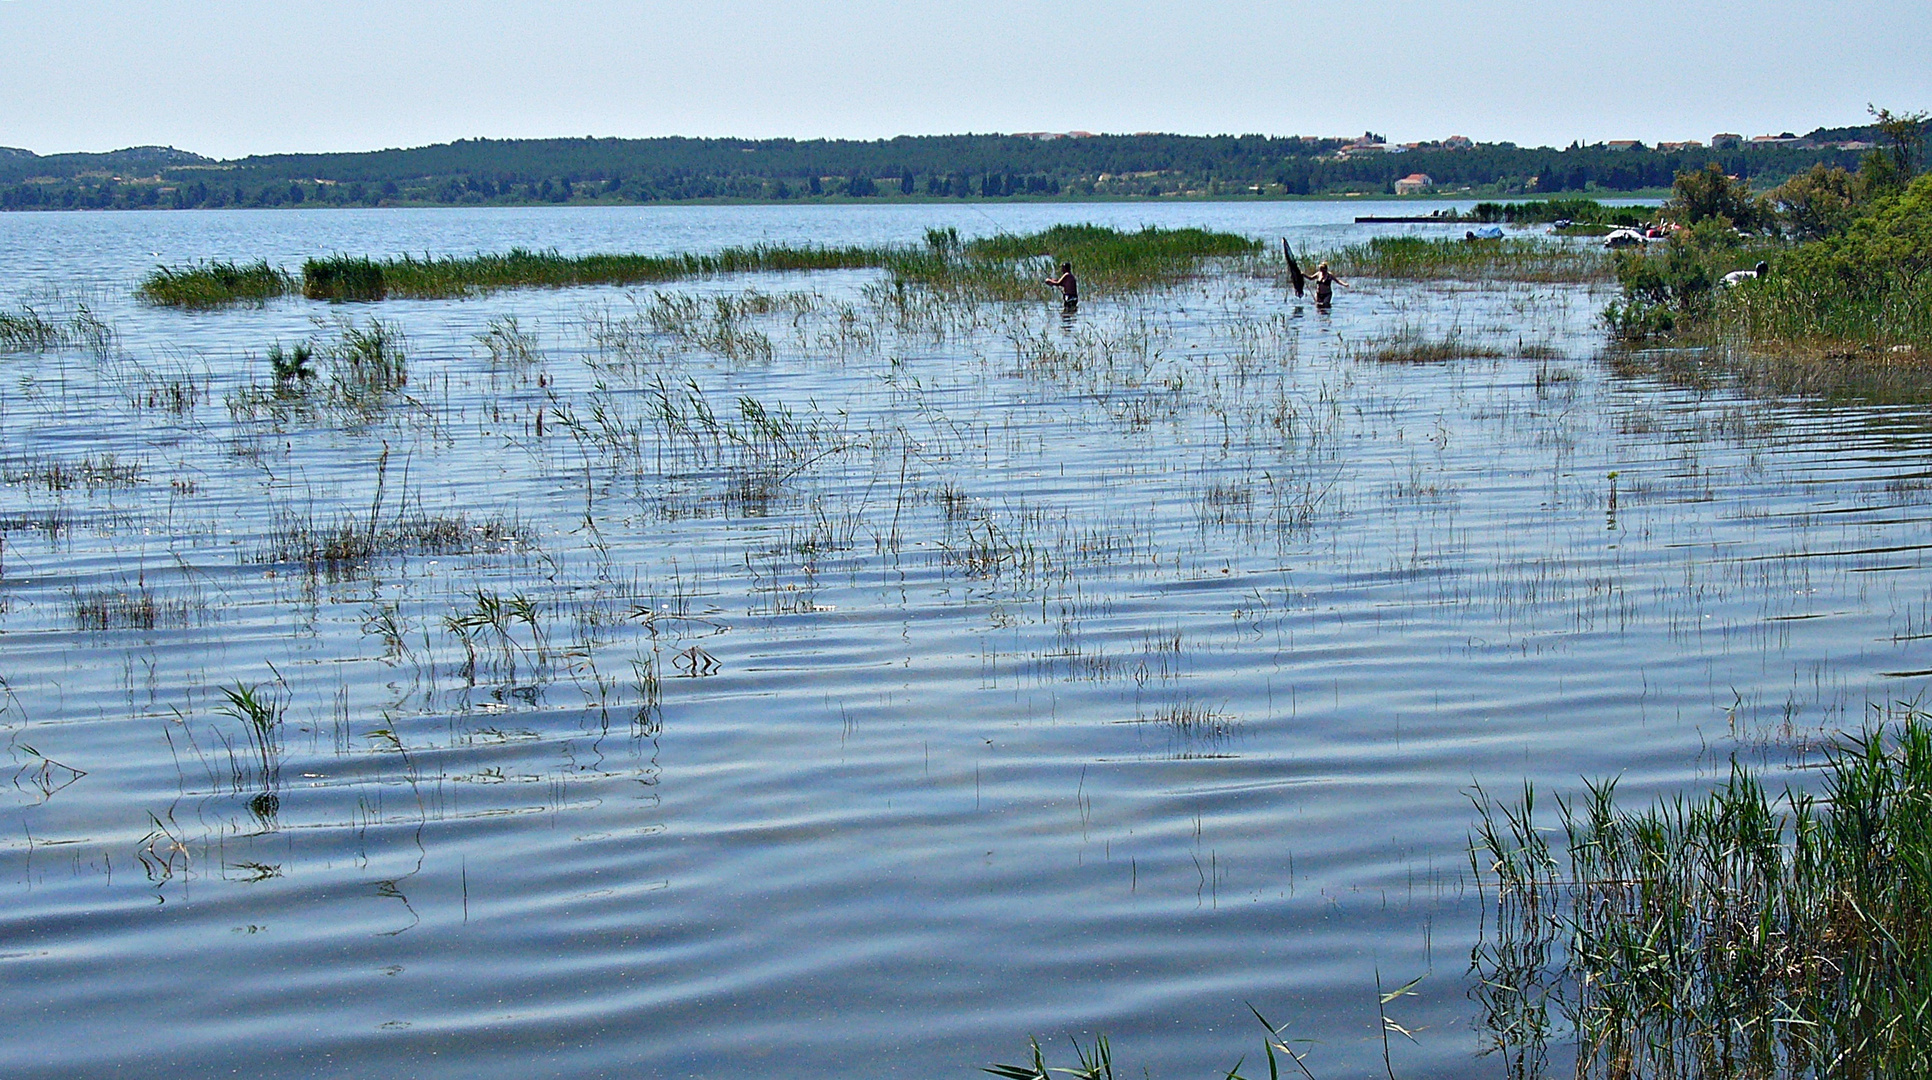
x=896, y=621
x=1753, y=930
x=1003, y=267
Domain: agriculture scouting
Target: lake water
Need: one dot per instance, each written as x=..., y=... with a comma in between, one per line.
x=845, y=686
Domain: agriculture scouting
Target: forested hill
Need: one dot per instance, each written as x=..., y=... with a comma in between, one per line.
x=525, y=171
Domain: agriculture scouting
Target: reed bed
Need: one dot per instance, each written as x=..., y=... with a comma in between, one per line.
x=1531, y=259
x=441, y=278
x=1009, y=266
x=1821, y=315
x=1002, y=267
x=203, y=286
x=1736, y=934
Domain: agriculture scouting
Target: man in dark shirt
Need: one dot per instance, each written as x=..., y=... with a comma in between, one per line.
x=1069, y=288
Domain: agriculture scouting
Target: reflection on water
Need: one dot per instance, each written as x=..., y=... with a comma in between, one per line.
x=668, y=681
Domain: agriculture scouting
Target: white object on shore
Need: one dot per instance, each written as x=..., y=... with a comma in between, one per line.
x=1623, y=238
x=1739, y=277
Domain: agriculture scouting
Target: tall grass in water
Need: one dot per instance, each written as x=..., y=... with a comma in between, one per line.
x=436, y=278
x=1009, y=266
x=343, y=277
x=214, y=284
x=1737, y=934
x=29, y=331
x=1820, y=315
x=1416, y=258
x=999, y=266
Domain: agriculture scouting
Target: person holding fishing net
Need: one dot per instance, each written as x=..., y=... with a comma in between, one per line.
x=1323, y=278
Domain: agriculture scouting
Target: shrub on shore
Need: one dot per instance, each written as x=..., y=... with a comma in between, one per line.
x=1857, y=280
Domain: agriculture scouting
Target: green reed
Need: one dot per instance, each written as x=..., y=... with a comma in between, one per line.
x=1010, y=266
x=1820, y=314
x=519, y=268
x=1000, y=266
x=1412, y=345
x=1416, y=258
x=29, y=331
x=344, y=277
x=214, y=284
x=1733, y=934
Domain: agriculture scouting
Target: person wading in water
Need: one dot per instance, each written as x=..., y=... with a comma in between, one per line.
x=1069, y=288
x=1325, y=282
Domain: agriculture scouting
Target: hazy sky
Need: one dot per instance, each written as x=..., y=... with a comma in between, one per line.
x=228, y=79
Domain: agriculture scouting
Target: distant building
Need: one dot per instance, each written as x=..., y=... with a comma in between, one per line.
x=1458, y=142
x=1857, y=146
x=1362, y=146
x=1687, y=144
x=1414, y=184
x=1725, y=140
x=1624, y=144
x=1786, y=139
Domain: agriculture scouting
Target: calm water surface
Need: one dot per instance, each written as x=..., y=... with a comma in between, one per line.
x=845, y=685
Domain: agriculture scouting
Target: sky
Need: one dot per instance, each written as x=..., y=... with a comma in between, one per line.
x=228, y=79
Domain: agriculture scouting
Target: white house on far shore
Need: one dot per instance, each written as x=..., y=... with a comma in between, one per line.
x=1414, y=184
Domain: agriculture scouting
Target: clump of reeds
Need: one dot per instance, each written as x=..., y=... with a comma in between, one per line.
x=508, y=342
x=344, y=277
x=1009, y=266
x=57, y=474
x=118, y=609
x=214, y=284
x=29, y=331
x=338, y=546
x=1409, y=345
x=369, y=361
x=261, y=719
x=1734, y=934
x=291, y=368
x=1416, y=258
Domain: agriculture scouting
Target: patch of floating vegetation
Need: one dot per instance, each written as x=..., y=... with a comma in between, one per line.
x=1717, y=935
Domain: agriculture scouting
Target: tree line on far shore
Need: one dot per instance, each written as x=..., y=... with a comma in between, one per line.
x=487, y=172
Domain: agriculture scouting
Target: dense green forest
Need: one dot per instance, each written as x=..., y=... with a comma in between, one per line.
x=584, y=171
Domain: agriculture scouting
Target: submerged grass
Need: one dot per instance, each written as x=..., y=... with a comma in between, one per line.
x=1722, y=935
x=1415, y=258
x=1409, y=345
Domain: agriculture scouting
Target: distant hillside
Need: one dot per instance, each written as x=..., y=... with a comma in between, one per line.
x=589, y=171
